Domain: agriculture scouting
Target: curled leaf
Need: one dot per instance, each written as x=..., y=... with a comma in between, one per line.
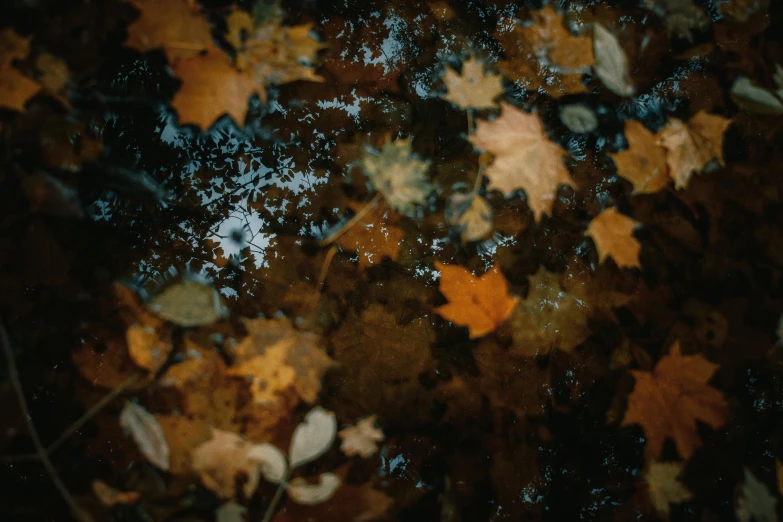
x=361, y=439
x=272, y=461
x=146, y=431
x=302, y=492
x=312, y=437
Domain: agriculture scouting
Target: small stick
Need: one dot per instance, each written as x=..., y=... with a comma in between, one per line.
x=47, y=464
x=324, y=269
x=359, y=215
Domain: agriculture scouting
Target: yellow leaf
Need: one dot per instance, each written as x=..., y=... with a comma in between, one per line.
x=172, y=25
x=664, y=486
x=644, y=162
x=374, y=236
x=16, y=89
x=472, y=89
x=612, y=233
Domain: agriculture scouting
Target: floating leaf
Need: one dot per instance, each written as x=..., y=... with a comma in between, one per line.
x=109, y=496
x=176, y=26
x=273, y=463
x=754, y=502
x=399, y=175
x=189, y=304
x=147, y=347
x=755, y=99
x=644, y=162
x=146, y=431
x=664, y=486
x=579, y=118
x=16, y=89
x=612, y=233
x=472, y=89
x=611, y=64
x=471, y=215
x=302, y=492
x=230, y=512
x=313, y=437
x=374, y=237
x=361, y=439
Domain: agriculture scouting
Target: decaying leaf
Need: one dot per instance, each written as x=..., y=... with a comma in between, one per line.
x=472, y=89
x=16, y=89
x=471, y=215
x=611, y=64
x=669, y=400
x=312, y=437
x=579, y=118
x=544, y=55
x=644, y=162
x=679, y=16
x=398, y=174
x=374, y=236
x=53, y=76
x=109, y=496
x=361, y=439
x=525, y=158
x=479, y=303
x=754, y=502
x=664, y=486
x=690, y=147
x=176, y=26
x=230, y=512
x=612, y=233
x=189, y=304
x=302, y=492
x=146, y=431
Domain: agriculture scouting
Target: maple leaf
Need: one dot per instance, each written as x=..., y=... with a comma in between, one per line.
x=524, y=158
x=679, y=16
x=399, y=175
x=479, y=303
x=689, y=148
x=471, y=215
x=211, y=86
x=667, y=401
x=176, y=26
x=374, y=236
x=544, y=55
x=664, y=486
x=472, y=89
x=16, y=89
x=361, y=439
x=612, y=233
x=54, y=77
x=276, y=357
x=644, y=162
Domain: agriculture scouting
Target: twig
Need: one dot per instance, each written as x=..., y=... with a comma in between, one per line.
x=359, y=215
x=324, y=269
x=278, y=494
x=47, y=464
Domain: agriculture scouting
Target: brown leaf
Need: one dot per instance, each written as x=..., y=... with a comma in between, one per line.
x=16, y=89
x=668, y=401
x=612, y=233
x=644, y=162
x=524, y=158
x=110, y=496
x=664, y=486
x=189, y=304
x=472, y=89
x=374, y=236
x=361, y=439
x=479, y=303
x=109, y=368
x=176, y=26
x=148, y=347
x=146, y=431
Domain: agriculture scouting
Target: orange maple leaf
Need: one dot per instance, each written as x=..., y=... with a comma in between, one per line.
x=175, y=26
x=644, y=162
x=524, y=158
x=374, y=236
x=480, y=303
x=612, y=233
x=667, y=401
x=15, y=88
x=211, y=87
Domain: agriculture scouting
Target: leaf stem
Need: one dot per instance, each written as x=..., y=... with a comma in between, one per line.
x=359, y=215
x=278, y=495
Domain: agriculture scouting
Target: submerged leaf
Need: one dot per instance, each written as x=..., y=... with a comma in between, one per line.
x=399, y=175
x=754, y=502
x=146, y=431
x=313, y=437
x=664, y=486
x=611, y=64
x=189, y=304
x=361, y=439
x=302, y=492
x=472, y=89
x=644, y=162
x=612, y=233
x=471, y=215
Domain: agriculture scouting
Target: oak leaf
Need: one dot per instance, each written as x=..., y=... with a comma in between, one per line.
x=612, y=234
x=16, y=89
x=176, y=26
x=211, y=86
x=374, y=237
x=690, y=147
x=544, y=55
x=398, y=174
x=669, y=400
x=664, y=486
x=524, y=158
x=479, y=303
x=472, y=89
x=644, y=162
x=361, y=439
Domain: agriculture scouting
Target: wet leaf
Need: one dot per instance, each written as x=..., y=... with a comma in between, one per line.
x=361, y=439
x=374, y=237
x=274, y=466
x=669, y=400
x=147, y=348
x=525, y=158
x=313, y=437
x=176, y=26
x=579, y=118
x=612, y=233
x=50, y=195
x=146, y=431
x=644, y=162
x=479, y=303
x=471, y=215
x=110, y=496
x=664, y=486
x=398, y=174
x=755, y=99
x=230, y=512
x=754, y=502
x=473, y=89
x=189, y=304
x=611, y=64
x=16, y=89
x=679, y=16
x=302, y=492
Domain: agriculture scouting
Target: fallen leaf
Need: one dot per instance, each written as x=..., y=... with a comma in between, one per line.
x=472, y=89
x=50, y=195
x=644, y=162
x=471, y=215
x=176, y=26
x=361, y=439
x=689, y=148
x=398, y=174
x=544, y=55
x=374, y=236
x=148, y=347
x=755, y=99
x=579, y=118
x=54, y=77
x=109, y=496
x=754, y=502
x=312, y=437
x=16, y=89
x=668, y=401
x=146, y=431
x=611, y=64
x=479, y=303
x=211, y=87
x=524, y=158
x=679, y=16
x=612, y=234
x=664, y=486
x=107, y=368
x=779, y=470
x=274, y=466
x=302, y=492
x=189, y=304
x=230, y=512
